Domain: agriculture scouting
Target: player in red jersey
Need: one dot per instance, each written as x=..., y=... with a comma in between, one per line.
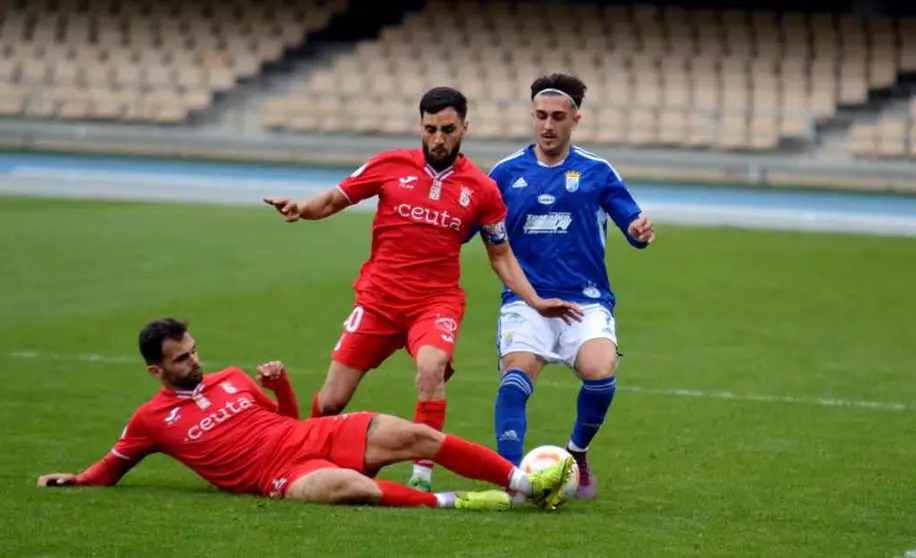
x=224, y=428
x=408, y=292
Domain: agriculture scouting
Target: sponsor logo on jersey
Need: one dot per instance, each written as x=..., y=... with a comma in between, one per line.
x=429, y=216
x=407, y=182
x=546, y=199
x=519, y=183
x=230, y=410
x=554, y=222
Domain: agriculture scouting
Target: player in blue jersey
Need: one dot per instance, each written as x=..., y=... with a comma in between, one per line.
x=560, y=198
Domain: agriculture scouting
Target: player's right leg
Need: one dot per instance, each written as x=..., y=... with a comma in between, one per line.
x=367, y=339
x=526, y=341
x=321, y=482
x=393, y=440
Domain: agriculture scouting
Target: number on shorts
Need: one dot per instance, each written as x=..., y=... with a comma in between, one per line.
x=353, y=321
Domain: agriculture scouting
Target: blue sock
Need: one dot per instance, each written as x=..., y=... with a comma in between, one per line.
x=595, y=398
x=510, y=416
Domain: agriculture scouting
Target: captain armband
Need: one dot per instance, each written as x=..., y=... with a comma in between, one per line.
x=495, y=233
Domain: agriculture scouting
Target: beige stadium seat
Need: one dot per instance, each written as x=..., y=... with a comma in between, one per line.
x=892, y=137
x=41, y=107
x=795, y=125
x=733, y=132
x=276, y=114
x=701, y=129
x=672, y=128
x=764, y=133
x=863, y=139
x=643, y=127
x=12, y=101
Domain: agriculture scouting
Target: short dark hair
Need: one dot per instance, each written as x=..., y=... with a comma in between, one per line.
x=438, y=99
x=569, y=84
x=154, y=334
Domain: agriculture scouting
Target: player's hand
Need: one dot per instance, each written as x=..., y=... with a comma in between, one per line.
x=642, y=230
x=57, y=479
x=287, y=207
x=271, y=373
x=556, y=308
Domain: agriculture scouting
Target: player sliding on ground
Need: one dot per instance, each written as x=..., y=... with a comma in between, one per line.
x=224, y=428
x=560, y=199
x=408, y=292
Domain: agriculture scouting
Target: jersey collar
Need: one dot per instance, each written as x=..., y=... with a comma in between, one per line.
x=533, y=150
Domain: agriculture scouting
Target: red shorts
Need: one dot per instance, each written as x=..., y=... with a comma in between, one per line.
x=323, y=443
x=369, y=337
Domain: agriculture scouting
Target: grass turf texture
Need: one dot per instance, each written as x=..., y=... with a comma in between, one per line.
x=756, y=313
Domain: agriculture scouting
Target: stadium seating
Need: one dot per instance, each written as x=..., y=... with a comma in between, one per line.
x=892, y=135
x=729, y=80
x=140, y=60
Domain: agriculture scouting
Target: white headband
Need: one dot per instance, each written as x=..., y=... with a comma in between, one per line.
x=558, y=92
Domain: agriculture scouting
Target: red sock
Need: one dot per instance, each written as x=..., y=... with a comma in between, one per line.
x=399, y=496
x=432, y=414
x=474, y=461
x=316, y=407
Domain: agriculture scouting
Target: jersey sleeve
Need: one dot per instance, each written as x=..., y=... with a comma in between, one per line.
x=492, y=217
x=616, y=200
x=134, y=444
x=366, y=181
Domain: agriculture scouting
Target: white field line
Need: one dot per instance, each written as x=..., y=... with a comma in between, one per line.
x=670, y=392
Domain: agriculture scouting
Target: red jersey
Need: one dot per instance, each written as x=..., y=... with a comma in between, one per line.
x=226, y=430
x=423, y=218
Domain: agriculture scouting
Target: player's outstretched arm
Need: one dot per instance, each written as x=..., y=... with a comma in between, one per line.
x=317, y=207
x=507, y=268
x=273, y=376
x=106, y=472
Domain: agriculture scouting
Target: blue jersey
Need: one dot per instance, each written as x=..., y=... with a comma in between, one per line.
x=557, y=222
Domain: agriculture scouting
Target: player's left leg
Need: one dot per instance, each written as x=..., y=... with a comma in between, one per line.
x=591, y=346
x=391, y=440
x=431, y=340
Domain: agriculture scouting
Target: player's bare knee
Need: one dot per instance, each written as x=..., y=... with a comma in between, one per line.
x=597, y=366
x=424, y=441
x=528, y=363
x=352, y=491
x=430, y=377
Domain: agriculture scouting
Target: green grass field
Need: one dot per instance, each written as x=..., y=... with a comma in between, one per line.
x=801, y=332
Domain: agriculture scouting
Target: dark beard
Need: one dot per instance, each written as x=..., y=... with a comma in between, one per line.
x=190, y=381
x=438, y=164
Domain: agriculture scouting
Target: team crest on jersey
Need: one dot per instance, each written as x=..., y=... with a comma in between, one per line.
x=228, y=387
x=465, y=198
x=572, y=181
x=202, y=401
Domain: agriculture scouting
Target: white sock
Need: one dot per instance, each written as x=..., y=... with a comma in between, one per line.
x=575, y=448
x=422, y=472
x=446, y=499
x=519, y=482
x=517, y=498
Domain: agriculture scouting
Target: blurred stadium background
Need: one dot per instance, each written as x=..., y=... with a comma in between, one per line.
x=792, y=93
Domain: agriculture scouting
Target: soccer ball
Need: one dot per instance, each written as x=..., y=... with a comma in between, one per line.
x=542, y=457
